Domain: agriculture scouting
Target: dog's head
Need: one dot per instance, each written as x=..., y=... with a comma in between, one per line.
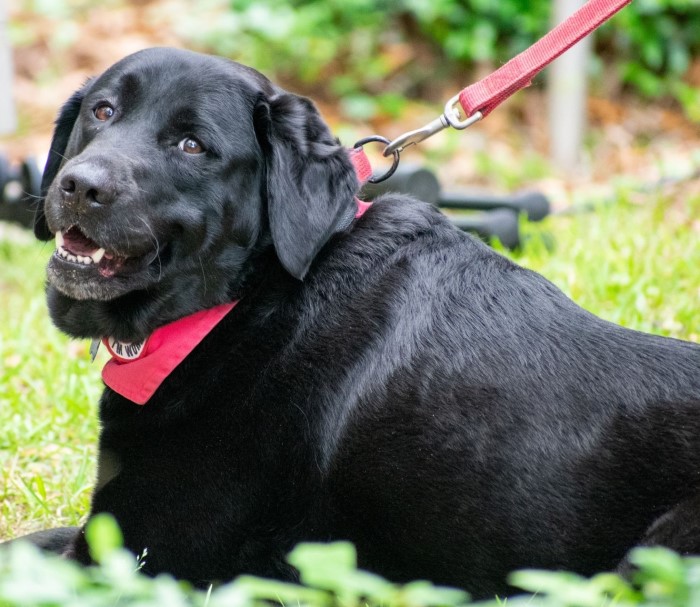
x=167, y=176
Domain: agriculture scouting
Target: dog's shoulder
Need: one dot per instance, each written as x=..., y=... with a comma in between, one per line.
x=440, y=301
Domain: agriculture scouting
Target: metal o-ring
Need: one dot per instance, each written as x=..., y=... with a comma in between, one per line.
x=395, y=154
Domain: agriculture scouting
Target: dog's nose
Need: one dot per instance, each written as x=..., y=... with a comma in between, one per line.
x=86, y=185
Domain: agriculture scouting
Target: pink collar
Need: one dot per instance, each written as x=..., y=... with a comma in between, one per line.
x=137, y=370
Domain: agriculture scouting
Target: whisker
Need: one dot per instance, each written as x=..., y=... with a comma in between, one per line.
x=58, y=154
x=204, y=275
x=26, y=194
x=157, y=245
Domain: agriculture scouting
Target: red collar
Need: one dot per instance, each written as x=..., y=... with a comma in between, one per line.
x=136, y=370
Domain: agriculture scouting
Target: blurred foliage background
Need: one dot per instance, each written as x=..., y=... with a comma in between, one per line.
x=376, y=54
x=387, y=66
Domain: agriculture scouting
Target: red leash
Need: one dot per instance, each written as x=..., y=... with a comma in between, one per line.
x=487, y=94
x=478, y=100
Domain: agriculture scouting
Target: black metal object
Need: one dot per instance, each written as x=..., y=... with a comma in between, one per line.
x=501, y=223
x=499, y=216
x=20, y=186
x=408, y=179
x=534, y=204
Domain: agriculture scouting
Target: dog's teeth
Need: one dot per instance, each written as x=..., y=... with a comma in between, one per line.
x=87, y=260
x=59, y=239
x=98, y=255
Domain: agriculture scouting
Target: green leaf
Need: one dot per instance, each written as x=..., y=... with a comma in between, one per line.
x=571, y=589
x=334, y=567
x=424, y=593
x=316, y=562
x=282, y=592
x=103, y=536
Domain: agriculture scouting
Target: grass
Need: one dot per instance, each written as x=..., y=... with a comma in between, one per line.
x=637, y=264
x=634, y=264
x=48, y=396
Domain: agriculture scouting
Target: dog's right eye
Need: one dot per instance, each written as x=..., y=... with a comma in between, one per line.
x=190, y=145
x=103, y=112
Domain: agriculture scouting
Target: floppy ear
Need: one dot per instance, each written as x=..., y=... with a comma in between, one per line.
x=310, y=180
x=64, y=126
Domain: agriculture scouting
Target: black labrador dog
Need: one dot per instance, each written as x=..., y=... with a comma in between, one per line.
x=385, y=379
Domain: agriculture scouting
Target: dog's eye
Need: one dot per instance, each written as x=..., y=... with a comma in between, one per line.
x=103, y=112
x=189, y=145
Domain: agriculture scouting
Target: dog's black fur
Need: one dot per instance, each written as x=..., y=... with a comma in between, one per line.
x=393, y=382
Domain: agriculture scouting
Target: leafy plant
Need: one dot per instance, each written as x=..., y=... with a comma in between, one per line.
x=329, y=578
x=653, y=43
x=661, y=579
x=329, y=574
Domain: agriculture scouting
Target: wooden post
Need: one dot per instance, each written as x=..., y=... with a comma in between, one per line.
x=567, y=88
x=8, y=118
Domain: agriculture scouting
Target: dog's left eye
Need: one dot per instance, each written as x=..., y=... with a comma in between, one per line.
x=103, y=112
x=189, y=145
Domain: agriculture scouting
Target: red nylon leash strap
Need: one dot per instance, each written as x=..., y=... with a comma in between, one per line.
x=481, y=98
x=485, y=95
x=361, y=164
x=363, y=170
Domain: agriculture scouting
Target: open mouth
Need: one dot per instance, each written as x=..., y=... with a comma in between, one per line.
x=85, y=269
x=72, y=245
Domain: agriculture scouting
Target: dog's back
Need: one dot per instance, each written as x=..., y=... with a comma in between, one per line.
x=489, y=423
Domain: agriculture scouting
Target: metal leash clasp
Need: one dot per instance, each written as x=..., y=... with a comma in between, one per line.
x=450, y=118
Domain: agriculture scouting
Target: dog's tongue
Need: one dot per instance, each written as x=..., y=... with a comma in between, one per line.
x=75, y=242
